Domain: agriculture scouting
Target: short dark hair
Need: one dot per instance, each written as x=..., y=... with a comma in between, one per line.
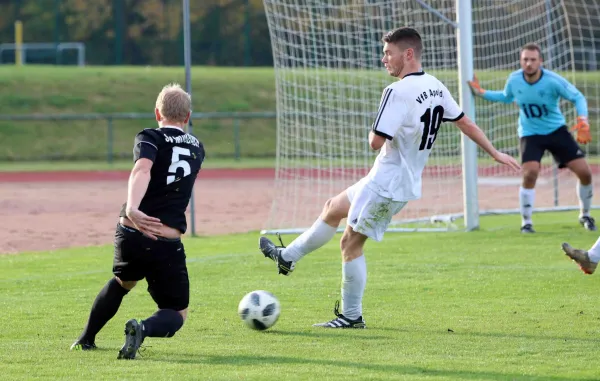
x=408, y=37
x=532, y=46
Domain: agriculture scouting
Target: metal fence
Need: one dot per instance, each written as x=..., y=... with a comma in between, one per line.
x=47, y=48
x=233, y=130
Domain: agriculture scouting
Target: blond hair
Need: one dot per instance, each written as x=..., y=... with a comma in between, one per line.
x=173, y=103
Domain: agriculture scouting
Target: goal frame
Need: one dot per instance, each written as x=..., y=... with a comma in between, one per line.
x=464, y=37
x=469, y=166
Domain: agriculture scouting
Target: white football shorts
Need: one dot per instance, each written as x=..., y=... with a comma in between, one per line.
x=370, y=214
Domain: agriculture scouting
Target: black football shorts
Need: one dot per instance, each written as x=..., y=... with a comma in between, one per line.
x=559, y=143
x=161, y=263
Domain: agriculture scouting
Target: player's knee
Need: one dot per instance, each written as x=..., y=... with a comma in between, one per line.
x=183, y=313
x=585, y=179
x=530, y=176
x=126, y=284
x=335, y=209
x=327, y=205
x=331, y=211
x=584, y=175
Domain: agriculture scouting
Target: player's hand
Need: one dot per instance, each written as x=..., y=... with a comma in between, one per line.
x=475, y=87
x=505, y=159
x=150, y=226
x=582, y=127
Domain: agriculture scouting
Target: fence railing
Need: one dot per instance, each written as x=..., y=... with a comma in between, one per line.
x=233, y=128
x=110, y=118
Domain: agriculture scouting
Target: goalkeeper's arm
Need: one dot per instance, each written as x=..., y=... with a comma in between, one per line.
x=504, y=96
x=568, y=91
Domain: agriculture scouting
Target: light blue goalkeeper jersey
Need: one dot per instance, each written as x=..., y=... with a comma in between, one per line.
x=539, y=111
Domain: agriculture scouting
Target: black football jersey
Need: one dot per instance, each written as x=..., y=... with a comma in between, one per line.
x=177, y=158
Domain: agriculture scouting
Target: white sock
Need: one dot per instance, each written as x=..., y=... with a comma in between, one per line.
x=526, y=200
x=318, y=235
x=585, y=192
x=594, y=252
x=354, y=280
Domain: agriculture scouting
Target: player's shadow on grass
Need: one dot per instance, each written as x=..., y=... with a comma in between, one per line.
x=320, y=332
x=395, y=369
x=497, y=335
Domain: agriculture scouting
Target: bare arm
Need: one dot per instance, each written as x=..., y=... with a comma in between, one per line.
x=469, y=128
x=568, y=91
x=376, y=141
x=138, y=184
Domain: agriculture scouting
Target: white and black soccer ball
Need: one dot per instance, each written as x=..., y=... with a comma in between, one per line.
x=259, y=309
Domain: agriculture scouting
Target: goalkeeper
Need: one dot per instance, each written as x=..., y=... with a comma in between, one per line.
x=537, y=93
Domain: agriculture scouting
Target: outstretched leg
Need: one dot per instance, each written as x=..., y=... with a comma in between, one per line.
x=321, y=232
x=104, y=308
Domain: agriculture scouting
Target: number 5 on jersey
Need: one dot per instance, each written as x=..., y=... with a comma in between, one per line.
x=178, y=162
x=431, y=125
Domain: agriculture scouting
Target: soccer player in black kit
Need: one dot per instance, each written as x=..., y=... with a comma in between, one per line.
x=148, y=235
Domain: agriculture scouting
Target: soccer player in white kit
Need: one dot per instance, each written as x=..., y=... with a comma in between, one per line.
x=410, y=114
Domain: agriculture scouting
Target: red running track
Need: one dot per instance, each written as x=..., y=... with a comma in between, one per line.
x=249, y=173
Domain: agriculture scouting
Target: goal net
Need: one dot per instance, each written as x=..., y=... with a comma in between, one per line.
x=329, y=80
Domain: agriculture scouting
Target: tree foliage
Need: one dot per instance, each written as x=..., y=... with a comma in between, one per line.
x=145, y=32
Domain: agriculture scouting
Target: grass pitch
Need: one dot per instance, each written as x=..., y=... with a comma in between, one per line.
x=488, y=305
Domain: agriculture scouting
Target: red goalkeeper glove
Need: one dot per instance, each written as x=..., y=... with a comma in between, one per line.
x=583, y=130
x=475, y=87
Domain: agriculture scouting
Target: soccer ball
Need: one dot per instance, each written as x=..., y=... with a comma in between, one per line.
x=259, y=309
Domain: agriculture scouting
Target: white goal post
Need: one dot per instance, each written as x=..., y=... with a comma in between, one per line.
x=329, y=80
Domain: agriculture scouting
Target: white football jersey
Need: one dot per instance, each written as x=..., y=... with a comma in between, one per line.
x=409, y=117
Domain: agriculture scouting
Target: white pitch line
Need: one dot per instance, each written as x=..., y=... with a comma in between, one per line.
x=505, y=181
x=211, y=258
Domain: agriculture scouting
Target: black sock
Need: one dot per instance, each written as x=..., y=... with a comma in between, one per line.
x=164, y=323
x=104, y=308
